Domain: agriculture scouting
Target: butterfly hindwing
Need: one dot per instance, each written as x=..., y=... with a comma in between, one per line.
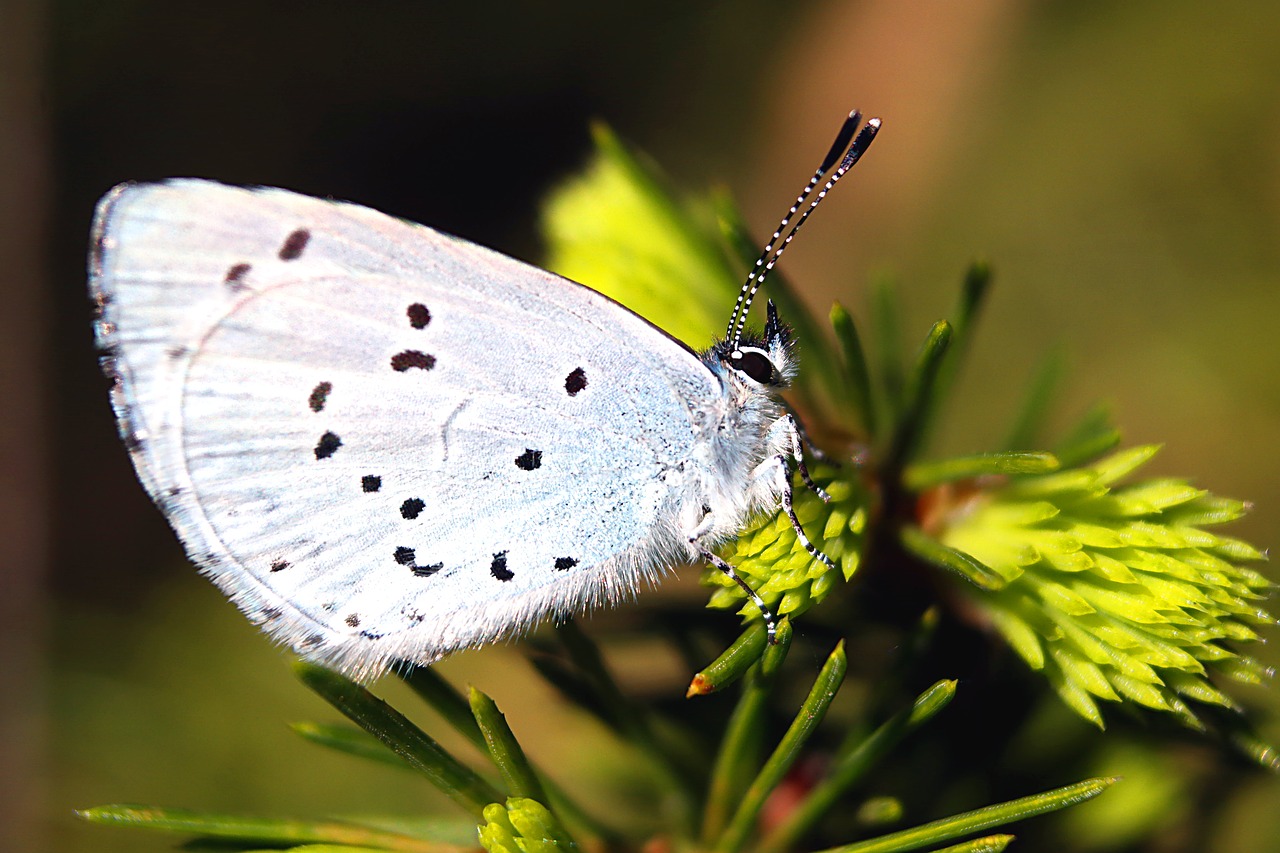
x=360, y=431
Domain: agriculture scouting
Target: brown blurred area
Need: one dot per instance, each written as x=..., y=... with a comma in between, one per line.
x=1119, y=164
x=26, y=481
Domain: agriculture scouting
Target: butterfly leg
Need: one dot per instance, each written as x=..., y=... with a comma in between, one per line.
x=814, y=450
x=796, y=441
x=787, y=439
x=785, y=491
x=770, y=623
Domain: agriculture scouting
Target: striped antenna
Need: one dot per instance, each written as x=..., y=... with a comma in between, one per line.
x=773, y=250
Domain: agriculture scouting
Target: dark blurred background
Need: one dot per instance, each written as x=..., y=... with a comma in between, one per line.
x=1119, y=164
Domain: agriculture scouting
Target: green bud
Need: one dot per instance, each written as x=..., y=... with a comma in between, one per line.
x=769, y=556
x=522, y=825
x=1116, y=592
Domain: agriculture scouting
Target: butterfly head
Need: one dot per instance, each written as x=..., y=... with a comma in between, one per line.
x=762, y=362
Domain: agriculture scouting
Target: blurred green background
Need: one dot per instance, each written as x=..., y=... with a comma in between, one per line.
x=1119, y=164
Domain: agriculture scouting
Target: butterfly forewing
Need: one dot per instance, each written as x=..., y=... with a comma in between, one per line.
x=382, y=442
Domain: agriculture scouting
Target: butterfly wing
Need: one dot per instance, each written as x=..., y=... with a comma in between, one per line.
x=382, y=442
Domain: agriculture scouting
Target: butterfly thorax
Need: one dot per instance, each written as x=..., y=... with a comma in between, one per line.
x=740, y=434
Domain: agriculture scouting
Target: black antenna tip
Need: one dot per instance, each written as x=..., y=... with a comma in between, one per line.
x=847, y=130
x=861, y=144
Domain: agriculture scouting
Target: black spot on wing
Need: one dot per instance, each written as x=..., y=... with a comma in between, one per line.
x=293, y=245
x=419, y=316
x=353, y=620
x=279, y=565
x=412, y=508
x=529, y=460
x=319, y=396
x=235, y=276
x=406, y=556
x=498, y=568
x=575, y=381
x=412, y=359
x=563, y=564
x=328, y=445
x=370, y=482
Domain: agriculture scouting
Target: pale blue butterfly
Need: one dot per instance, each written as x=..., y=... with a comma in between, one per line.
x=386, y=444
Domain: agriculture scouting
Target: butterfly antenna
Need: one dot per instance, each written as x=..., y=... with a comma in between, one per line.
x=778, y=243
x=751, y=285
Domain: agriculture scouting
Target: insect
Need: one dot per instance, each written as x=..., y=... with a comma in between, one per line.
x=386, y=444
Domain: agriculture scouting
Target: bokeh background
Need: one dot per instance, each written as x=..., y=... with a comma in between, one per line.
x=1119, y=164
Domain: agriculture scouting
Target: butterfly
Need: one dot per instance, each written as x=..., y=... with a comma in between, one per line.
x=386, y=444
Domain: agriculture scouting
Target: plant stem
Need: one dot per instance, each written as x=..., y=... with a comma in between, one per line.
x=787, y=752
x=739, y=751
x=388, y=725
x=851, y=766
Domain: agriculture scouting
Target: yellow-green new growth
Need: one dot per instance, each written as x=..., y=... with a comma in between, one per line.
x=1116, y=591
x=771, y=558
x=522, y=825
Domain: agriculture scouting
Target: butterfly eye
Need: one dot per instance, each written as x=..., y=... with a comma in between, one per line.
x=755, y=364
